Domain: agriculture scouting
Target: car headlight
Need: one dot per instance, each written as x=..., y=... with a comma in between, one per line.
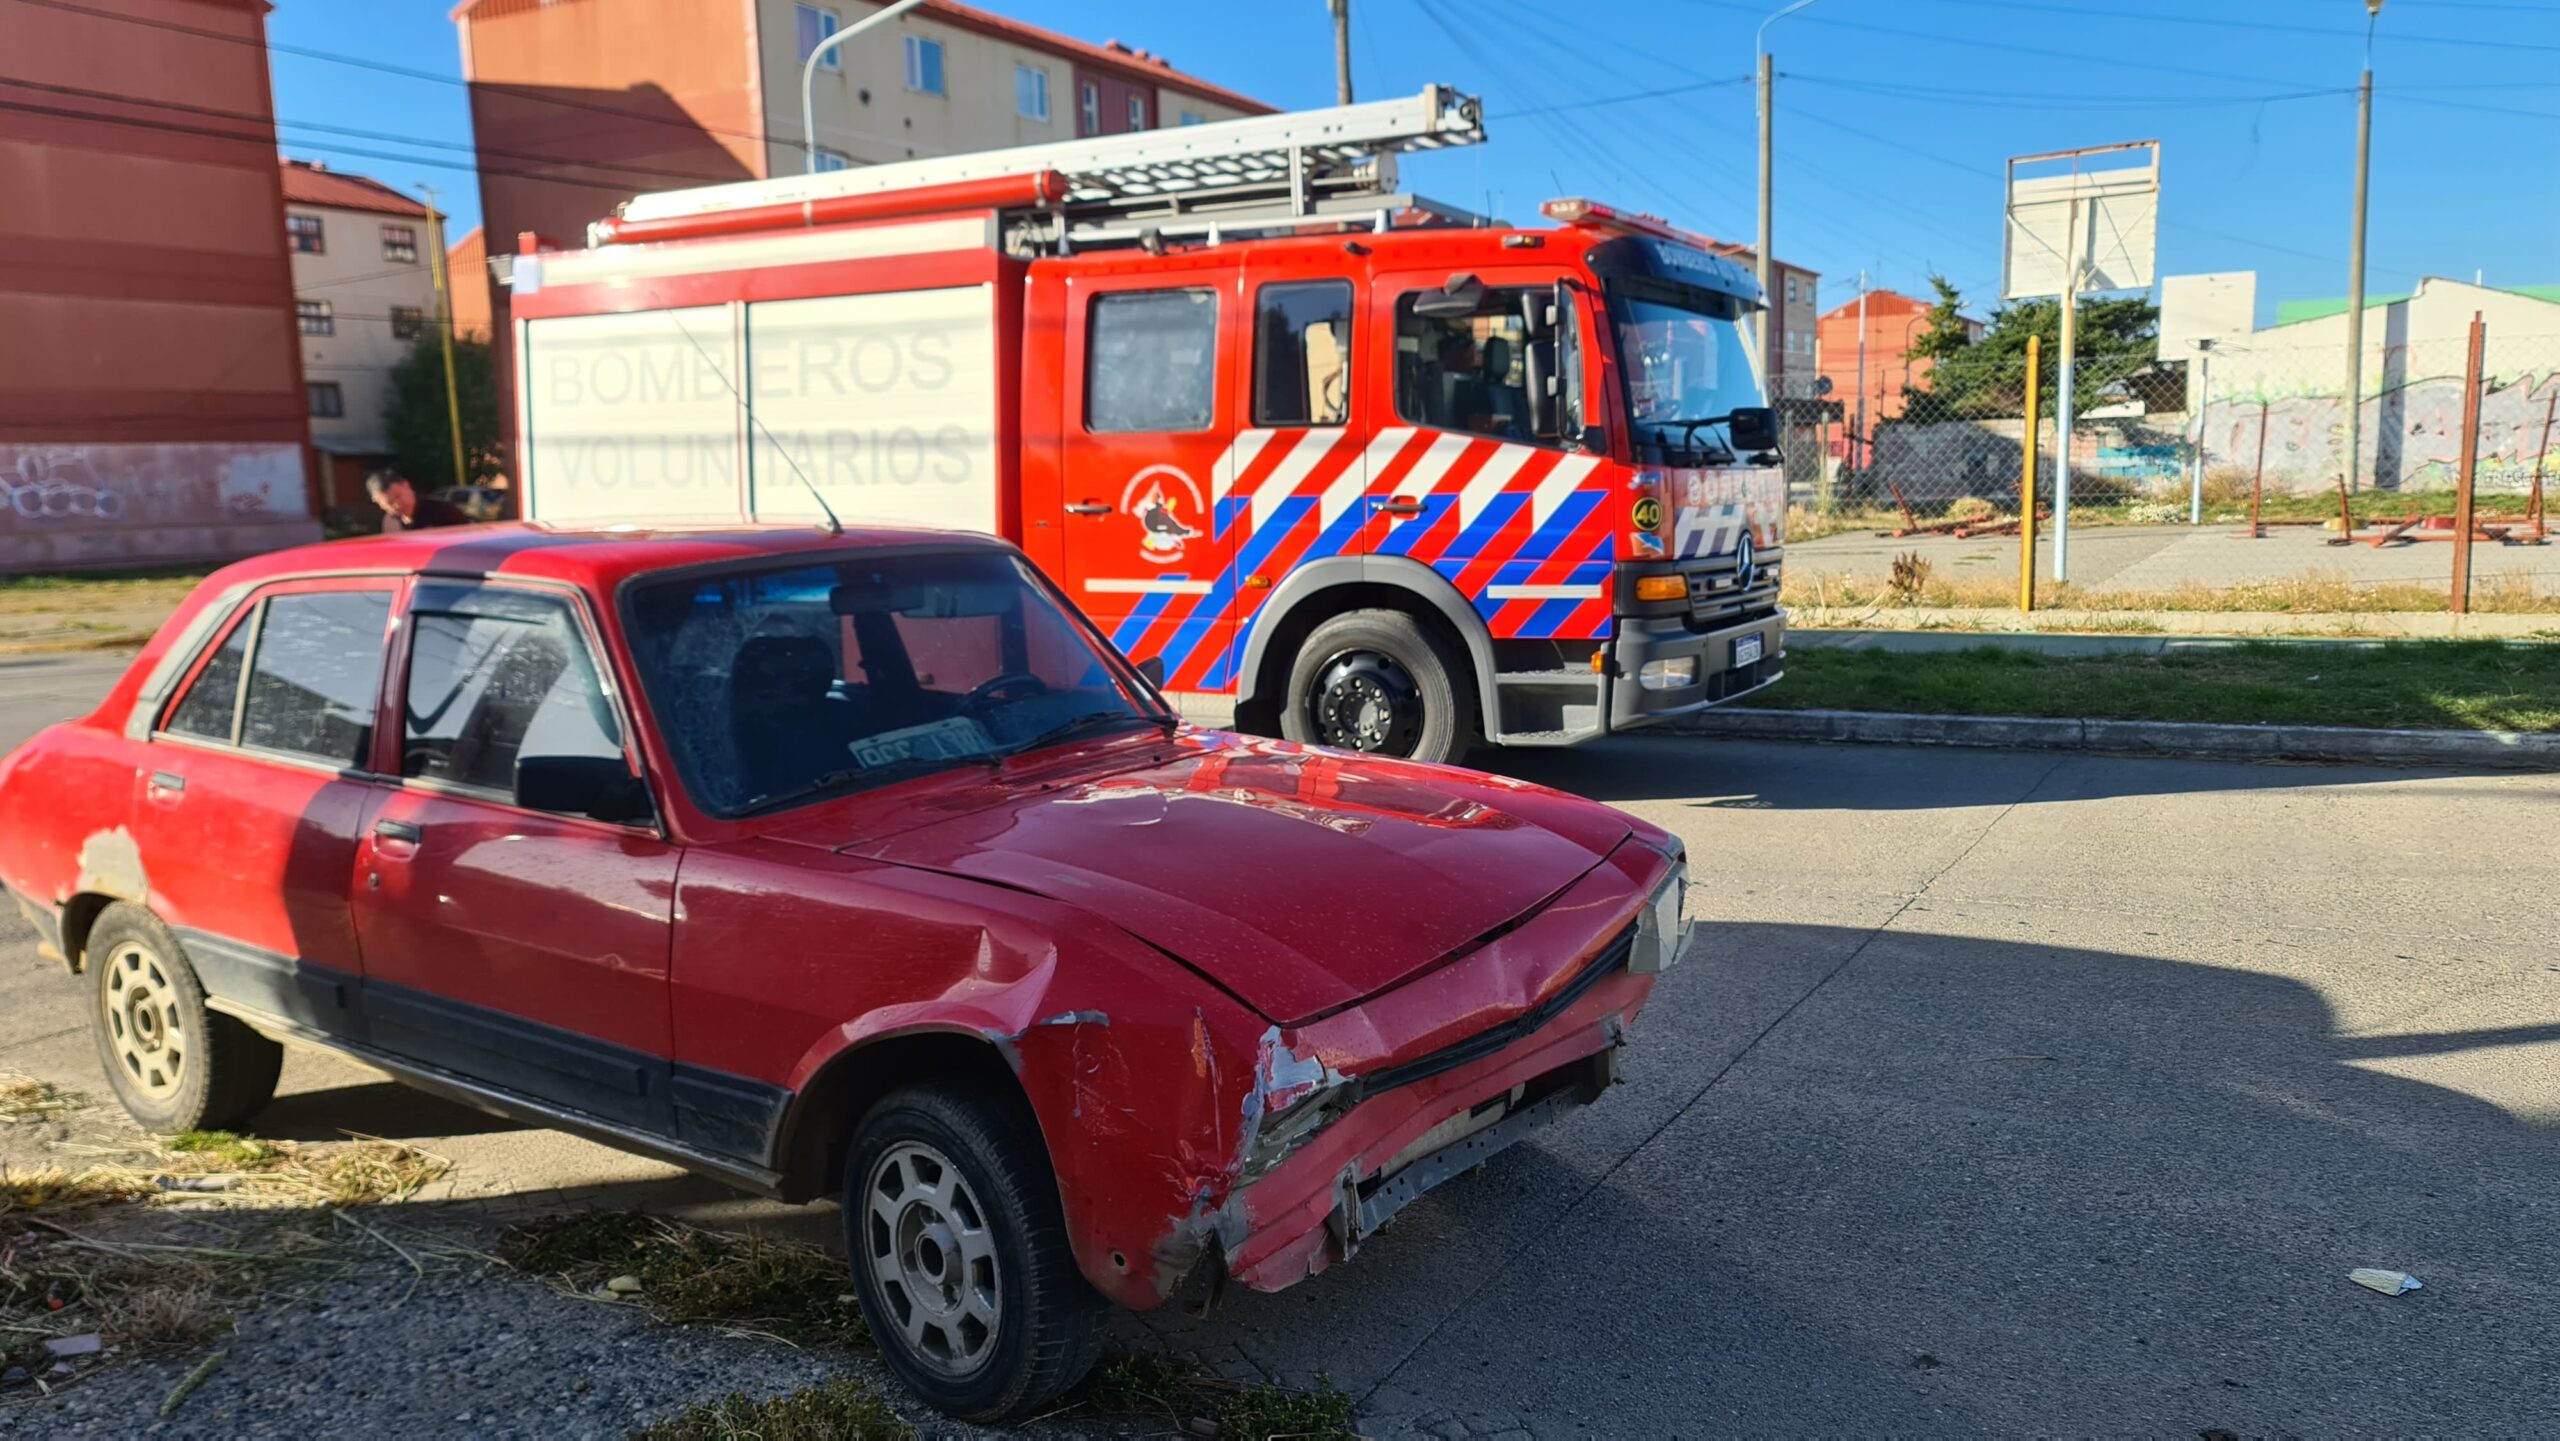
x=1662, y=927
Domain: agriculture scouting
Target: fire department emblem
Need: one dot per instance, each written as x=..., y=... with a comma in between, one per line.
x=1166, y=503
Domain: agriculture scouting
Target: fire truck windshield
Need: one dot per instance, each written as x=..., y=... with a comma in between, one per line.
x=1686, y=366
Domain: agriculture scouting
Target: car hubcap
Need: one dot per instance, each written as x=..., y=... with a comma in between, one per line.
x=1366, y=702
x=149, y=1039
x=931, y=1253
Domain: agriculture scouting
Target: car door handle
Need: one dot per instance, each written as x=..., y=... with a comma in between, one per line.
x=1397, y=505
x=405, y=832
x=168, y=781
x=1090, y=507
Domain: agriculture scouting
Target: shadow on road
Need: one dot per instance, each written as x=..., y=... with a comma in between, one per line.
x=1718, y=774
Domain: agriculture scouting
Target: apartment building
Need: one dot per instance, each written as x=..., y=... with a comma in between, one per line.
x=151, y=394
x=1873, y=390
x=580, y=104
x=363, y=292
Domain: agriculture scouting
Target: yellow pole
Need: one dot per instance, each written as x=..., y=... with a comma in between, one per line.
x=444, y=329
x=2027, y=485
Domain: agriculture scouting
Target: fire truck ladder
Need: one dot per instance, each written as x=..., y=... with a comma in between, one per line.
x=1263, y=172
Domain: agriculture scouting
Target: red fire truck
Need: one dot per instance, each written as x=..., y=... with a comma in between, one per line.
x=1394, y=477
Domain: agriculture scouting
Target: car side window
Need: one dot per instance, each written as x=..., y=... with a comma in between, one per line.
x=314, y=671
x=497, y=674
x=1302, y=353
x=1465, y=372
x=213, y=701
x=1151, y=361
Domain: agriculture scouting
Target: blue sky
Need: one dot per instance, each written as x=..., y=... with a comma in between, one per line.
x=1894, y=116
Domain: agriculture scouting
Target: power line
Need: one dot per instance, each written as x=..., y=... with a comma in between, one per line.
x=2045, y=7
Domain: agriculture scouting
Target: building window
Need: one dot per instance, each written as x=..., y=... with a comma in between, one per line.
x=407, y=321
x=1194, y=117
x=832, y=160
x=315, y=317
x=327, y=401
x=400, y=242
x=1031, y=92
x=1089, y=109
x=1150, y=361
x=815, y=26
x=924, y=65
x=1137, y=112
x=1791, y=290
x=1302, y=353
x=302, y=234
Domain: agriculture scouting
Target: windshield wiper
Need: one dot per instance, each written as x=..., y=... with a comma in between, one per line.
x=1090, y=720
x=1689, y=437
x=839, y=779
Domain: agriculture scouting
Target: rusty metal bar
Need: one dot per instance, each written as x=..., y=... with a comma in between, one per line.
x=2461, y=599
x=2258, y=483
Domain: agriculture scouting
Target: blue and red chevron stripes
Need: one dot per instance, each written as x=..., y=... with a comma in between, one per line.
x=1524, y=532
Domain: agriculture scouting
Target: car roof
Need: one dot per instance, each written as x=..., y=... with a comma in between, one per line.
x=597, y=558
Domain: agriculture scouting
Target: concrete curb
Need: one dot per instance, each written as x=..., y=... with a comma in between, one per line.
x=2477, y=750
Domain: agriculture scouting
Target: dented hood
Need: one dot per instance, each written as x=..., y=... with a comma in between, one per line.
x=1301, y=880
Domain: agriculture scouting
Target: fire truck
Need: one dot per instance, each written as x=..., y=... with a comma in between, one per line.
x=1392, y=476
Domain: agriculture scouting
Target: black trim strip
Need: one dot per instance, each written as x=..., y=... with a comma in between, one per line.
x=1485, y=1043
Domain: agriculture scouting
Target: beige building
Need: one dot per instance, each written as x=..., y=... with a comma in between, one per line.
x=364, y=291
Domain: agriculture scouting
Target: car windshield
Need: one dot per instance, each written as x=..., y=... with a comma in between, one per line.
x=786, y=684
x=1682, y=362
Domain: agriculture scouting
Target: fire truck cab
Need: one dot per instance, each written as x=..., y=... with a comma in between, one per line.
x=1393, y=477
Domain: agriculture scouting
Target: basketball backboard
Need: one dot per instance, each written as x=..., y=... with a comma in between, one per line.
x=2097, y=209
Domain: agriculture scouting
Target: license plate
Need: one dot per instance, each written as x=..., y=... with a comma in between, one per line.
x=1747, y=649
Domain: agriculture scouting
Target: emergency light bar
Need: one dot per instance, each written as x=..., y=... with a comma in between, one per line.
x=1592, y=215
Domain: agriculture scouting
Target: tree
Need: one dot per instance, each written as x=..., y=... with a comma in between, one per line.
x=415, y=418
x=1987, y=378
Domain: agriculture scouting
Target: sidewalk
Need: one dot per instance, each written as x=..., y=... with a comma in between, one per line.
x=2066, y=644
x=1978, y=621
x=2168, y=557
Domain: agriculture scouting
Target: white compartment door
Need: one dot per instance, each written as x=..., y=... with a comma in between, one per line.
x=632, y=417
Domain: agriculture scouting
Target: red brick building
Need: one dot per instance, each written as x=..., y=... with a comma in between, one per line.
x=1894, y=322
x=152, y=404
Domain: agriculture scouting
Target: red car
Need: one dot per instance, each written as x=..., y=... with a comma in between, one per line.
x=852, y=864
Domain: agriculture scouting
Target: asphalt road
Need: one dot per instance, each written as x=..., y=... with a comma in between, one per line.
x=2002, y=1092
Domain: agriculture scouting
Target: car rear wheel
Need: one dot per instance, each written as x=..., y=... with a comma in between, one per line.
x=1378, y=681
x=175, y=1064
x=960, y=1257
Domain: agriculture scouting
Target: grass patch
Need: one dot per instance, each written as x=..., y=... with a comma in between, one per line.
x=2320, y=593
x=686, y=1273
x=838, y=1410
x=1159, y=1387
x=2418, y=685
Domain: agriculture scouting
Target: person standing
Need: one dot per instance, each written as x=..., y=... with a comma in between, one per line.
x=403, y=509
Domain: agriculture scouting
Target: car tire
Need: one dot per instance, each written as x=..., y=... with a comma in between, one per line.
x=1379, y=681
x=959, y=1252
x=175, y=1063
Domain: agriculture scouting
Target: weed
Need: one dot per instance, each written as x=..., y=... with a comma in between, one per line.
x=686, y=1273
x=838, y=1410
x=222, y=1148
x=25, y=1099
x=1263, y=1413
x=1910, y=579
x=1139, y=1382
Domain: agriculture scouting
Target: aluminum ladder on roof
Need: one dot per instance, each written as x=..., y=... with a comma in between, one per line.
x=1293, y=163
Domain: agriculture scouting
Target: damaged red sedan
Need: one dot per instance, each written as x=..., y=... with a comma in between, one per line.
x=855, y=865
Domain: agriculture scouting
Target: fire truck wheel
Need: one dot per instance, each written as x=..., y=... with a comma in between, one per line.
x=1375, y=680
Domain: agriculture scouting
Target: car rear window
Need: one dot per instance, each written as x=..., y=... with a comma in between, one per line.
x=212, y=701
x=315, y=675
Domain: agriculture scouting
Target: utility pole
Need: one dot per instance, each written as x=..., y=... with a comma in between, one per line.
x=1768, y=114
x=2355, y=256
x=1341, y=50
x=444, y=332
x=2204, y=413
x=1862, y=362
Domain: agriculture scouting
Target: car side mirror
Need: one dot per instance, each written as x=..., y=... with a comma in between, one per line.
x=597, y=787
x=1754, y=429
x=1153, y=669
x=1546, y=403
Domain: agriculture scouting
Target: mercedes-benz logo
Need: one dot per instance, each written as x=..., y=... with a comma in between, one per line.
x=1746, y=566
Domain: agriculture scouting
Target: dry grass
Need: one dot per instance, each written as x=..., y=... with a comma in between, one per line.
x=838, y=1410
x=2325, y=593
x=1191, y=1402
x=750, y=1283
x=25, y=1099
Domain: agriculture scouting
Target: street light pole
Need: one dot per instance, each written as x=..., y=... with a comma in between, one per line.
x=2355, y=256
x=1768, y=115
x=809, y=76
x=444, y=331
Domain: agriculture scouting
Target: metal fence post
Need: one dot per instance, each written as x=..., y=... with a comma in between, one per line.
x=2027, y=484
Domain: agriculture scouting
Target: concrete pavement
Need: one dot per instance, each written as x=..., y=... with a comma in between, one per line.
x=2000, y=1092
x=2168, y=557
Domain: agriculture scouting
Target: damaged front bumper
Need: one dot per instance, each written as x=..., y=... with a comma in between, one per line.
x=1398, y=1140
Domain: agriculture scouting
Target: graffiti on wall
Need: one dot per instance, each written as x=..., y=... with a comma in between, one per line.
x=110, y=487
x=2412, y=435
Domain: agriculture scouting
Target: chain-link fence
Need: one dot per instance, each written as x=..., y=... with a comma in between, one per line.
x=2148, y=435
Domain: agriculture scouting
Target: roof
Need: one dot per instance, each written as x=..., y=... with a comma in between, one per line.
x=1125, y=61
x=596, y=558
x=2294, y=312
x=308, y=182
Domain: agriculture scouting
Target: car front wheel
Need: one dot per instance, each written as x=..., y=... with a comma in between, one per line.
x=960, y=1256
x=175, y=1064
